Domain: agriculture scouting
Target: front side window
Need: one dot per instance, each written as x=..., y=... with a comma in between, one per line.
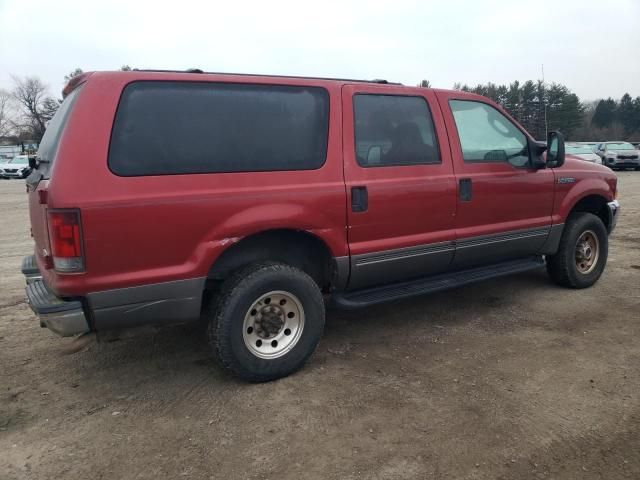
x=393, y=130
x=486, y=135
x=164, y=128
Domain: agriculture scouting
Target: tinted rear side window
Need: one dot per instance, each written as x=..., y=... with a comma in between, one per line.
x=184, y=127
x=49, y=143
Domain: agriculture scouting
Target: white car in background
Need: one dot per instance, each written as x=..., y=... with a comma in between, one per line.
x=583, y=152
x=17, y=167
x=619, y=155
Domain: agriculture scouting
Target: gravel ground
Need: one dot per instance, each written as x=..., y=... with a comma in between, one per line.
x=513, y=378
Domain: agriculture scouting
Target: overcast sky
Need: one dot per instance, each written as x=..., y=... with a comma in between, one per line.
x=591, y=46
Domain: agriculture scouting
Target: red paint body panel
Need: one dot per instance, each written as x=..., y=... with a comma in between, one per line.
x=144, y=230
x=504, y=198
x=591, y=179
x=408, y=205
x=140, y=230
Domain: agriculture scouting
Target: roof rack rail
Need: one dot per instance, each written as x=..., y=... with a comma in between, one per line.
x=197, y=70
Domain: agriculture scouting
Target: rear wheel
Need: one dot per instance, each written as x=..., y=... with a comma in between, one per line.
x=268, y=320
x=582, y=254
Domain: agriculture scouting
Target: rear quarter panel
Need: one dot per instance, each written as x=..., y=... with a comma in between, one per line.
x=141, y=230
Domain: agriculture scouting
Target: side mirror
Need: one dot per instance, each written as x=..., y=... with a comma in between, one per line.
x=536, y=149
x=374, y=156
x=555, y=149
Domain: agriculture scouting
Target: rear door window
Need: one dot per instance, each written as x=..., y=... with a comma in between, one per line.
x=393, y=130
x=164, y=128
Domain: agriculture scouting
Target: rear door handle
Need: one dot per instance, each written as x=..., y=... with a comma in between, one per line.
x=465, y=191
x=359, y=199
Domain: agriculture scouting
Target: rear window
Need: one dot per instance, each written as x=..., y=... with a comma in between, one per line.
x=51, y=138
x=164, y=128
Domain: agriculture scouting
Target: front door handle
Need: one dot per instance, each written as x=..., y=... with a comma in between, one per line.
x=359, y=199
x=465, y=191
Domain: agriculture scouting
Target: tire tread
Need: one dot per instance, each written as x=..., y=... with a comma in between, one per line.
x=560, y=266
x=219, y=326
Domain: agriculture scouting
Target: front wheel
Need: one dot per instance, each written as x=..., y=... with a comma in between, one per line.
x=582, y=254
x=268, y=320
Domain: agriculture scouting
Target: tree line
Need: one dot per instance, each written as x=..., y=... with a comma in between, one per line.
x=26, y=109
x=538, y=106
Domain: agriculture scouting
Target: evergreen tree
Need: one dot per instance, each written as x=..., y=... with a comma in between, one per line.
x=626, y=114
x=605, y=113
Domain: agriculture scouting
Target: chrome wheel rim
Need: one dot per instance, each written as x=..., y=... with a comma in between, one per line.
x=587, y=252
x=273, y=324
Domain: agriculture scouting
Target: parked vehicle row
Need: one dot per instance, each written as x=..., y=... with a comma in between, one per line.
x=253, y=199
x=615, y=155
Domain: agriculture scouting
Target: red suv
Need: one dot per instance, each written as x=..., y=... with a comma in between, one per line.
x=156, y=195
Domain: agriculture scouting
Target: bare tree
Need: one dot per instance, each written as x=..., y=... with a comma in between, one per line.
x=5, y=122
x=37, y=107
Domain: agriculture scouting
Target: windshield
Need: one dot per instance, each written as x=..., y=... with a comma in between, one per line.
x=20, y=160
x=578, y=149
x=620, y=146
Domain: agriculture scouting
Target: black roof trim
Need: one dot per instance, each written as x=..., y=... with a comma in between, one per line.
x=197, y=70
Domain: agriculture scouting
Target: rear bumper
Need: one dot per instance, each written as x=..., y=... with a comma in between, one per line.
x=30, y=269
x=64, y=317
x=153, y=304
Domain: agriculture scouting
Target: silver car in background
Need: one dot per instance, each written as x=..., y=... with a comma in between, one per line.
x=583, y=152
x=17, y=167
x=619, y=155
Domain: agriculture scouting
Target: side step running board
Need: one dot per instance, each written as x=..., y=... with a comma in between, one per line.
x=421, y=286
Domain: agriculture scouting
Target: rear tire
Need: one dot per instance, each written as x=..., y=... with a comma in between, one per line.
x=268, y=320
x=582, y=255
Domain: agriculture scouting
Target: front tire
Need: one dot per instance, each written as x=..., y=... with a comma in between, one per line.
x=582, y=254
x=267, y=322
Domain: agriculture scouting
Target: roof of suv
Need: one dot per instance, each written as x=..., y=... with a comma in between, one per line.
x=192, y=75
x=194, y=72
x=197, y=70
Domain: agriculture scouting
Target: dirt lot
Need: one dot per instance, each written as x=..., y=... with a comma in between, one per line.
x=514, y=378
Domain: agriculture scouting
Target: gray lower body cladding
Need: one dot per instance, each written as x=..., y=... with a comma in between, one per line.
x=389, y=266
x=176, y=301
x=159, y=303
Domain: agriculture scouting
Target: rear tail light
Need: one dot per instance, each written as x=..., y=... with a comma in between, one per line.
x=65, y=236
